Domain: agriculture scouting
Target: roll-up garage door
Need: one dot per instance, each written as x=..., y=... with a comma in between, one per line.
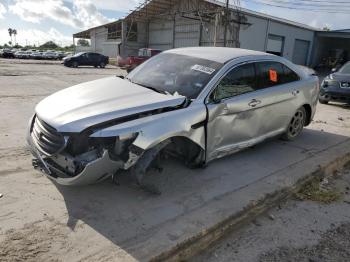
x=301, y=51
x=275, y=45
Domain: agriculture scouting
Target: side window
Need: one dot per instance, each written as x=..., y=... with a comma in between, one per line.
x=289, y=75
x=270, y=74
x=239, y=81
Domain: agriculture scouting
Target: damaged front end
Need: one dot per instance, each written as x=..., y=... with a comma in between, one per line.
x=79, y=159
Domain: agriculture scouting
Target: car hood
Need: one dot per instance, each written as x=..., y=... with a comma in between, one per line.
x=79, y=107
x=339, y=77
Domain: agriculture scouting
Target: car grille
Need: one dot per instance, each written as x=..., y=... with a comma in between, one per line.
x=46, y=138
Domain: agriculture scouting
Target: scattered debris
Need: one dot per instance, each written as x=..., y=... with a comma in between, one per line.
x=1, y=195
x=340, y=118
x=320, y=122
x=272, y=217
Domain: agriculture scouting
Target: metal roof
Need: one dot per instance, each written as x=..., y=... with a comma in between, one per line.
x=86, y=33
x=157, y=8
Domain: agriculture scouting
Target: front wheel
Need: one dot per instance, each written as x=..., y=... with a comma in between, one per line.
x=75, y=64
x=296, y=125
x=102, y=65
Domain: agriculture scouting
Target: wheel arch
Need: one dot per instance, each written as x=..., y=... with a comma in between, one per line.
x=308, y=110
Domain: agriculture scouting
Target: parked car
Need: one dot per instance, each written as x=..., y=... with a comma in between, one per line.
x=336, y=86
x=7, y=53
x=60, y=55
x=86, y=59
x=131, y=62
x=22, y=54
x=36, y=55
x=197, y=103
x=50, y=55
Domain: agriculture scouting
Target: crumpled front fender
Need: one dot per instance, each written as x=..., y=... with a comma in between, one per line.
x=154, y=129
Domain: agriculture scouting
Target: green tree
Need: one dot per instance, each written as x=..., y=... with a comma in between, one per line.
x=83, y=42
x=49, y=45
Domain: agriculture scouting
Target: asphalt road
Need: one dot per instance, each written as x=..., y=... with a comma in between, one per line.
x=41, y=221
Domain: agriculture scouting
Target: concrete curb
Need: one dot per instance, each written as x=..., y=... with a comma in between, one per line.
x=272, y=190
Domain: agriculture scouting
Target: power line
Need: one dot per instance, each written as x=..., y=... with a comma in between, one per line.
x=342, y=11
x=309, y=4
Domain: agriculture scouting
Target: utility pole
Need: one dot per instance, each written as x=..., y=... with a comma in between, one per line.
x=226, y=21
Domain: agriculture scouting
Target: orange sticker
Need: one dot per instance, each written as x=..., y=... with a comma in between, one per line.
x=273, y=76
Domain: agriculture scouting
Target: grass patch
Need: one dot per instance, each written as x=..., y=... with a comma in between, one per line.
x=113, y=61
x=315, y=191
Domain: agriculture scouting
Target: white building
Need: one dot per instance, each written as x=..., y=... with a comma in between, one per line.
x=166, y=24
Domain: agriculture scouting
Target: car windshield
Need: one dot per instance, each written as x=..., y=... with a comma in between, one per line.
x=174, y=73
x=345, y=69
x=79, y=54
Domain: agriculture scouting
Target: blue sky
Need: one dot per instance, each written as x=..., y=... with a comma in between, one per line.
x=38, y=21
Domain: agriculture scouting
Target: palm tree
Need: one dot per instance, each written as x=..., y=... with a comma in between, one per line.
x=14, y=32
x=10, y=33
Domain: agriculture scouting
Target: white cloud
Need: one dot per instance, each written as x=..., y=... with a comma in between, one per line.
x=37, y=37
x=115, y=5
x=83, y=15
x=2, y=11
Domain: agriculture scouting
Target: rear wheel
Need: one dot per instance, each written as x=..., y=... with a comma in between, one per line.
x=296, y=125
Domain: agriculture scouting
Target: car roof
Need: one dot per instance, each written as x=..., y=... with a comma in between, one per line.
x=217, y=54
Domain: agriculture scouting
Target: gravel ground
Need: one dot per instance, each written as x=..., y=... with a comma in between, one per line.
x=296, y=231
x=40, y=221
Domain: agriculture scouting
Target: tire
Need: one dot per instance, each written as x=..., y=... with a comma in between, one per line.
x=324, y=102
x=102, y=65
x=296, y=125
x=75, y=64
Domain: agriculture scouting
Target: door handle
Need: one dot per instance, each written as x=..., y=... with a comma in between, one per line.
x=295, y=92
x=254, y=103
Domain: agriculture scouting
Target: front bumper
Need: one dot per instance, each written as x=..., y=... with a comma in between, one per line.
x=335, y=94
x=94, y=172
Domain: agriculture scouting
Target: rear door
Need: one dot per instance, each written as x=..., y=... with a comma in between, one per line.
x=280, y=83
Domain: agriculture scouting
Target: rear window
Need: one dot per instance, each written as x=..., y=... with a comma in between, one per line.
x=270, y=74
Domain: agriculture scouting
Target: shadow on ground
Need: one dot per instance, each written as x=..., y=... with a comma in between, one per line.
x=129, y=217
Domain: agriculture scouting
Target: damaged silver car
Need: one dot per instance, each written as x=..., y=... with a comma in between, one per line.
x=198, y=104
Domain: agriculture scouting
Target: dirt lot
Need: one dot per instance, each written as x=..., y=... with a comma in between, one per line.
x=41, y=221
x=296, y=231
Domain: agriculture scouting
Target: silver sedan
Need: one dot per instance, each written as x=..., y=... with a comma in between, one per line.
x=198, y=104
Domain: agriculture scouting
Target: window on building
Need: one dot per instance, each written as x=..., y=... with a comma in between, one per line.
x=114, y=31
x=275, y=45
x=131, y=31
